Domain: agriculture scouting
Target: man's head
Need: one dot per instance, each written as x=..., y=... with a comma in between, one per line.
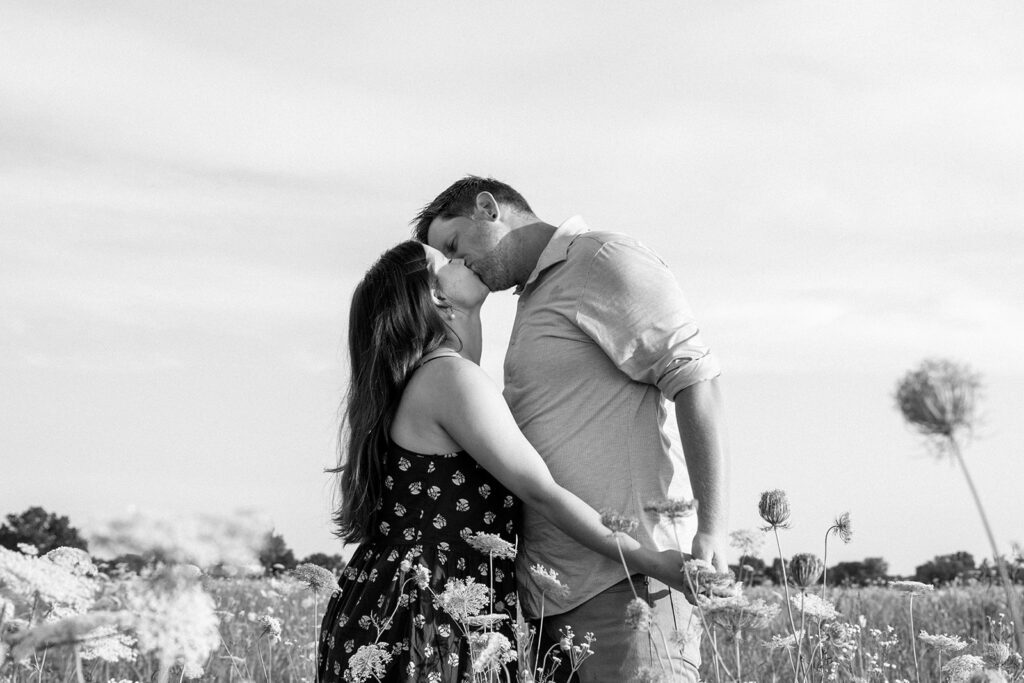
x=472, y=220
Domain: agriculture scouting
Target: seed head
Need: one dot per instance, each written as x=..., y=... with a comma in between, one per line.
x=842, y=528
x=995, y=654
x=774, y=508
x=938, y=398
x=943, y=643
x=618, y=522
x=805, y=569
x=960, y=668
x=673, y=508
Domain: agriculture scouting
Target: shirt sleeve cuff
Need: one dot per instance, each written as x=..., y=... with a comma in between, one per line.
x=686, y=372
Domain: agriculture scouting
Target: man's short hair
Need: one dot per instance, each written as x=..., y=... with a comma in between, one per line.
x=460, y=200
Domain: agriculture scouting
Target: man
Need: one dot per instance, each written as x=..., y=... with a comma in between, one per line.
x=602, y=337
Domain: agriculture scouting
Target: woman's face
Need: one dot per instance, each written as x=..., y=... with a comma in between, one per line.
x=459, y=285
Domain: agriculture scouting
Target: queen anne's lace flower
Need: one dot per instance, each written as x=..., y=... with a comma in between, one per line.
x=814, y=607
x=492, y=544
x=491, y=651
x=774, y=508
x=108, y=644
x=271, y=627
x=638, y=615
x=959, y=669
x=28, y=577
x=547, y=580
x=944, y=643
x=369, y=662
x=673, y=508
x=618, y=522
x=462, y=598
x=912, y=587
x=316, y=578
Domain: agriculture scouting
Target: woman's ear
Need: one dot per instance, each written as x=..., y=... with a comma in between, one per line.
x=438, y=297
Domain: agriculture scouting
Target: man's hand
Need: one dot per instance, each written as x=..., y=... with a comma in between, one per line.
x=712, y=549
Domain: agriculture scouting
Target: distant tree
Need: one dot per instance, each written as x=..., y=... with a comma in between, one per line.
x=276, y=552
x=335, y=563
x=870, y=571
x=945, y=568
x=44, y=530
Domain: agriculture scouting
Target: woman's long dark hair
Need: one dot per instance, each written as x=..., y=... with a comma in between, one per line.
x=393, y=323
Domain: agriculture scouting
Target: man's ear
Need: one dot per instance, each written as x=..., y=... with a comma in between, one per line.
x=487, y=208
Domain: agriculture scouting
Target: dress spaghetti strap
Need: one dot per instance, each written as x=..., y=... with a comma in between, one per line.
x=434, y=355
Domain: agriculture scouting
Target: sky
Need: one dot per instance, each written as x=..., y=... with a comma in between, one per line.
x=189, y=192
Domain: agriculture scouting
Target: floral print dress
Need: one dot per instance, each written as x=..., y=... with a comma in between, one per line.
x=431, y=505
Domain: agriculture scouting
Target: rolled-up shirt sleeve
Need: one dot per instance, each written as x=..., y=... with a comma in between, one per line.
x=633, y=308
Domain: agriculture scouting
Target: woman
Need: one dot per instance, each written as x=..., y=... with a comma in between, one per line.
x=431, y=456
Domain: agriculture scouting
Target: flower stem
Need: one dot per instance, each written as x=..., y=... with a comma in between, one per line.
x=1011, y=593
x=626, y=568
x=789, y=606
x=913, y=640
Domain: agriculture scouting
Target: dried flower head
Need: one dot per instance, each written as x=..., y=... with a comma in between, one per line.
x=774, y=508
x=805, y=569
x=943, y=643
x=842, y=528
x=959, y=669
x=316, y=578
x=271, y=627
x=938, y=398
x=988, y=676
x=911, y=587
x=618, y=522
x=492, y=544
x=638, y=615
x=995, y=654
x=547, y=580
x=673, y=508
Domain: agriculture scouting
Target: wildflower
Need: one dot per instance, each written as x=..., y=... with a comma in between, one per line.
x=988, y=676
x=912, y=587
x=191, y=670
x=420, y=574
x=778, y=642
x=232, y=542
x=805, y=569
x=638, y=615
x=492, y=544
x=673, y=508
x=815, y=607
x=462, y=598
x=492, y=650
x=75, y=560
x=316, y=578
x=943, y=643
x=736, y=613
x=959, y=669
x=174, y=617
x=55, y=584
x=547, y=580
x=842, y=528
x=271, y=627
x=774, y=508
x=72, y=629
x=485, y=621
x=108, y=645
x=367, y=663
x=618, y=522
x=938, y=398
x=995, y=654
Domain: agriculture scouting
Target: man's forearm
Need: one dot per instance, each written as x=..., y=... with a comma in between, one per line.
x=702, y=432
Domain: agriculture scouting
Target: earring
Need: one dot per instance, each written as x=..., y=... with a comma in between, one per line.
x=451, y=314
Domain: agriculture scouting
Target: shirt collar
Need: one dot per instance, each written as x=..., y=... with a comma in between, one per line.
x=557, y=249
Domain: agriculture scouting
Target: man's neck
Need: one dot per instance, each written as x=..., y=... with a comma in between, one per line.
x=532, y=239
